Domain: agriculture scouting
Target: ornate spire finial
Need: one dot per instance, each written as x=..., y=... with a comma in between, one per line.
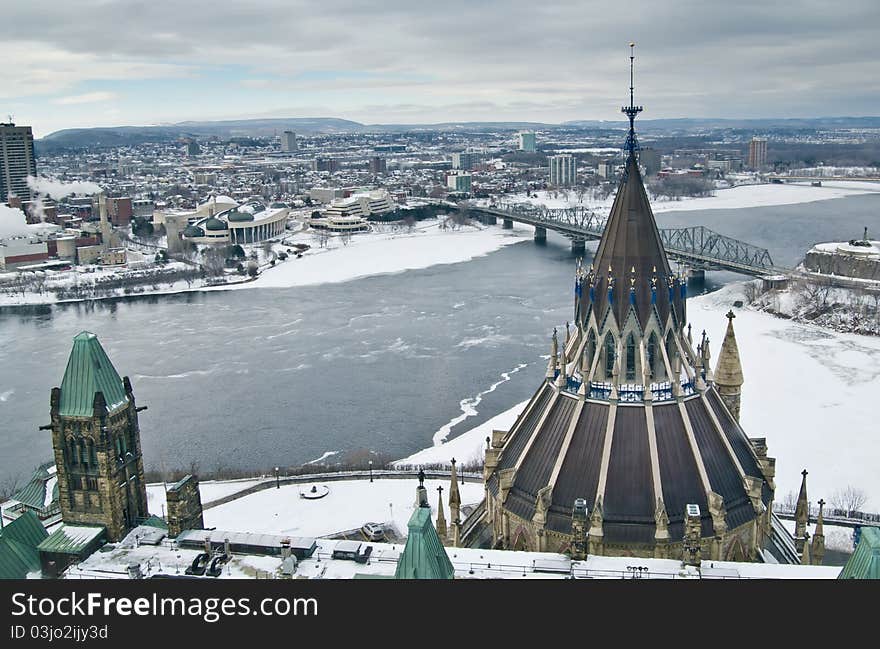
x=632, y=110
x=730, y=315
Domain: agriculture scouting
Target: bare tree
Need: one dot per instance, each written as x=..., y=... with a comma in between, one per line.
x=789, y=502
x=752, y=290
x=850, y=499
x=8, y=486
x=813, y=293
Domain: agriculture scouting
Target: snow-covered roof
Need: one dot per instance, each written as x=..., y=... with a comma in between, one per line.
x=469, y=563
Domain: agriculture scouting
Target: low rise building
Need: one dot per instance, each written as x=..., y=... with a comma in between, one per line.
x=21, y=251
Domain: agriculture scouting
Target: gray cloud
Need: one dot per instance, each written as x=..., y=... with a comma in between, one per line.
x=565, y=60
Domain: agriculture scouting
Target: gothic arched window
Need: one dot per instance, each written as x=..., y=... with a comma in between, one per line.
x=630, y=358
x=609, y=355
x=671, y=352
x=652, y=355
x=590, y=350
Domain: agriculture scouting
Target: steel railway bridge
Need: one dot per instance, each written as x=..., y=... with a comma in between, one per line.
x=697, y=247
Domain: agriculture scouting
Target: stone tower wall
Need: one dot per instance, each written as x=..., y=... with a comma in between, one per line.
x=184, y=503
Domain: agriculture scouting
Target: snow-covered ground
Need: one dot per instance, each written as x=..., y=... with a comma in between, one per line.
x=724, y=199
x=350, y=504
x=382, y=252
x=811, y=392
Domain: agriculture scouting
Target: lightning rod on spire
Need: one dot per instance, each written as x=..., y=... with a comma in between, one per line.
x=632, y=110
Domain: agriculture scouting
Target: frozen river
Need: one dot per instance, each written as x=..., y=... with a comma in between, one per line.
x=282, y=376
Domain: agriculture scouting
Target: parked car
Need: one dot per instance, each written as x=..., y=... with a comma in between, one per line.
x=373, y=531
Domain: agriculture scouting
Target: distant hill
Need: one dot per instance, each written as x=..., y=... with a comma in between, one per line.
x=98, y=137
x=101, y=137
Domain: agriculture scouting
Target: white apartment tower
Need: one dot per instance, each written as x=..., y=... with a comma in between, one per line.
x=563, y=170
x=16, y=161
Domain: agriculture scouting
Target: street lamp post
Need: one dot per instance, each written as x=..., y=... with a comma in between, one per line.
x=277, y=480
x=371, y=470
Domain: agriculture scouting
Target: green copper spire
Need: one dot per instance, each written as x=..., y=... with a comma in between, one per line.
x=88, y=372
x=424, y=556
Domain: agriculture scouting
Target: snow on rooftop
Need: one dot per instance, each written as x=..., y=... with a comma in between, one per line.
x=469, y=563
x=79, y=534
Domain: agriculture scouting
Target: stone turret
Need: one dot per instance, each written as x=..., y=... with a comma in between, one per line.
x=441, y=518
x=728, y=371
x=454, y=507
x=817, y=551
x=801, y=515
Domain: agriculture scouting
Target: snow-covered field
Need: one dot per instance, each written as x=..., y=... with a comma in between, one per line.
x=724, y=199
x=811, y=392
x=350, y=504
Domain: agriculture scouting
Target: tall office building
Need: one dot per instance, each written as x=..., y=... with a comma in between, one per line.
x=758, y=152
x=527, y=141
x=650, y=159
x=563, y=170
x=288, y=141
x=16, y=161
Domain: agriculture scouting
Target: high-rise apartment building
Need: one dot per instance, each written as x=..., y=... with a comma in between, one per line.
x=563, y=170
x=378, y=165
x=325, y=164
x=758, y=152
x=16, y=161
x=465, y=160
x=288, y=141
x=527, y=141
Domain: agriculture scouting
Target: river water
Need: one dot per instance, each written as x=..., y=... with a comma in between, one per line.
x=251, y=379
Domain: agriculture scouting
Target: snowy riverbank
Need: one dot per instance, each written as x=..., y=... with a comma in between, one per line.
x=382, y=251
x=811, y=392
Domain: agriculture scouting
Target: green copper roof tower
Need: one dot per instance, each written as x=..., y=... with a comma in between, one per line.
x=97, y=444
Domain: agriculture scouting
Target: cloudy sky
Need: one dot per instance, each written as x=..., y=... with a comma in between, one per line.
x=112, y=62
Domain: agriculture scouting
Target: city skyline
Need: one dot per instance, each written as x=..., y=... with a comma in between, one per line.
x=167, y=63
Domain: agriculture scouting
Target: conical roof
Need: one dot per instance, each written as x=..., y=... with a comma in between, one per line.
x=632, y=249
x=728, y=371
x=88, y=372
